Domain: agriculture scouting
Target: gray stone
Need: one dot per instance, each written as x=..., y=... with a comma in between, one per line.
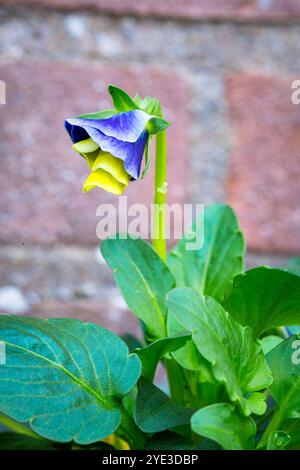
x=13, y=301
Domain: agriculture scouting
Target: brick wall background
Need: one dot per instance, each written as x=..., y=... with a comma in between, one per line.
x=223, y=71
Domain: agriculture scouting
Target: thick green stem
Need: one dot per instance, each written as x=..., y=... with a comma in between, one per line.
x=129, y=431
x=160, y=196
x=18, y=427
x=179, y=388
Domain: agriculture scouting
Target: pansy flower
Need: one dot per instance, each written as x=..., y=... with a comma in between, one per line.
x=114, y=142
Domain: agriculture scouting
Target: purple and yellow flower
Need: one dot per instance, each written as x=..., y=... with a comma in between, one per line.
x=113, y=144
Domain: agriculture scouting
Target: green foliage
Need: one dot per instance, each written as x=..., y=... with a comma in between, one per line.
x=284, y=362
x=156, y=125
x=270, y=342
x=264, y=298
x=64, y=377
x=143, y=279
x=171, y=441
x=225, y=425
x=222, y=256
x=12, y=441
x=124, y=103
x=218, y=334
x=151, y=354
x=121, y=99
x=155, y=411
x=99, y=114
x=237, y=361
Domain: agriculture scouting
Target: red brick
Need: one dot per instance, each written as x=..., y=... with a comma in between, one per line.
x=191, y=9
x=264, y=183
x=41, y=176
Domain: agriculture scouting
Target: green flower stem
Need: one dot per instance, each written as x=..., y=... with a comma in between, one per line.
x=176, y=381
x=18, y=427
x=160, y=196
x=129, y=431
x=181, y=388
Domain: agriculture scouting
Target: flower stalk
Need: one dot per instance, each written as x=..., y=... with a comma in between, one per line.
x=160, y=196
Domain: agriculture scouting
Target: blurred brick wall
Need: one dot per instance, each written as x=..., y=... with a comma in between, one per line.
x=223, y=71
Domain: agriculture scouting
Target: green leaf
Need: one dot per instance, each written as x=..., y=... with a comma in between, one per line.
x=143, y=279
x=293, y=269
x=225, y=425
x=99, y=114
x=64, y=377
x=294, y=262
x=278, y=441
x=287, y=438
x=170, y=441
x=237, y=361
x=155, y=411
x=151, y=354
x=221, y=257
x=270, y=342
x=147, y=161
x=149, y=105
x=294, y=266
x=294, y=330
x=264, y=298
x=189, y=356
x=131, y=341
x=121, y=100
x=12, y=441
x=284, y=362
x=156, y=125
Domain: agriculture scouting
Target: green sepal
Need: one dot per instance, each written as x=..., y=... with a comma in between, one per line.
x=149, y=105
x=99, y=114
x=156, y=125
x=121, y=100
x=147, y=161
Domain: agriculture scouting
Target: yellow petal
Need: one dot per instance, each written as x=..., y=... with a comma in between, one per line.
x=106, y=161
x=101, y=179
x=88, y=149
x=85, y=146
x=90, y=158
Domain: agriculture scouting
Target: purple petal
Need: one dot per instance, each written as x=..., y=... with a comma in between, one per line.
x=130, y=152
x=135, y=152
x=76, y=133
x=122, y=126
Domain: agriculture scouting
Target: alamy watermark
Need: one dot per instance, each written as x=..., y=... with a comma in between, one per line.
x=137, y=220
x=296, y=353
x=295, y=97
x=2, y=353
x=2, y=92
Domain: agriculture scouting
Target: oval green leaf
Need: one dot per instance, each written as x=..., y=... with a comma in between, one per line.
x=236, y=360
x=224, y=424
x=143, y=279
x=264, y=298
x=208, y=269
x=64, y=377
x=155, y=411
